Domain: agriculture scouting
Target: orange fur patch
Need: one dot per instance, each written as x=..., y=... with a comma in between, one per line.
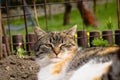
x=107, y=69
x=97, y=78
x=57, y=68
x=108, y=50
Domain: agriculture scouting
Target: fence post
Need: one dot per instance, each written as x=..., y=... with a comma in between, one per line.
x=30, y=44
x=118, y=13
x=17, y=41
x=93, y=35
x=5, y=54
x=4, y=51
x=117, y=37
x=82, y=38
x=0, y=32
x=108, y=35
x=6, y=40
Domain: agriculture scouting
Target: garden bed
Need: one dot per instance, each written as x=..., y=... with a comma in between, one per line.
x=15, y=68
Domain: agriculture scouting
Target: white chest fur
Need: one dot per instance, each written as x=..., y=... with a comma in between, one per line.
x=46, y=74
x=90, y=71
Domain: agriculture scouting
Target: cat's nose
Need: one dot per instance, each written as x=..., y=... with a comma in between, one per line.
x=57, y=50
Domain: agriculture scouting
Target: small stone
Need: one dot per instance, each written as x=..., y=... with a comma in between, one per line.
x=7, y=68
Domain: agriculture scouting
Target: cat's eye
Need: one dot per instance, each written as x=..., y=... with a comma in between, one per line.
x=47, y=45
x=66, y=46
x=45, y=48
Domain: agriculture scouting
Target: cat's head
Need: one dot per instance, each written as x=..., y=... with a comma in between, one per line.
x=54, y=46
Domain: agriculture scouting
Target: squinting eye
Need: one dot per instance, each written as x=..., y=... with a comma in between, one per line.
x=44, y=46
x=68, y=45
x=48, y=45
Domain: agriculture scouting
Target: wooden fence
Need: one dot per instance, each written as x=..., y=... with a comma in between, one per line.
x=11, y=42
x=83, y=40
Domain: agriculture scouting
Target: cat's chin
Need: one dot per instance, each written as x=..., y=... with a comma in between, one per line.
x=54, y=60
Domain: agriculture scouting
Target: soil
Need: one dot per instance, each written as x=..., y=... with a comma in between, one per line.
x=16, y=68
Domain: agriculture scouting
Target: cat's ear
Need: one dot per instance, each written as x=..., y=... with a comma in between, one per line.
x=38, y=31
x=71, y=31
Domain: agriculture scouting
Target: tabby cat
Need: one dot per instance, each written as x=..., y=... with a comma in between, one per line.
x=60, y=58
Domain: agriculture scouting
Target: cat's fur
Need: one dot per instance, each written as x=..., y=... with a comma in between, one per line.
x=60, y=59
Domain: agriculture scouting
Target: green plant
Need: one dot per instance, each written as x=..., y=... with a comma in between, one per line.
x=109, y=23
x=99, y=42
x=21, y=52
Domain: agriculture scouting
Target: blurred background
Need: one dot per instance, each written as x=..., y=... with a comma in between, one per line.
x=94, y=18
x=60, y=14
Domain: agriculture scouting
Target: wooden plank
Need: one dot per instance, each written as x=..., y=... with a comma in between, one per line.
x=82, y=38
x=117, y=37
x=4, y=51
x=0, y=34
x=93, y=35
x=118, y=12
x=6, y=40
x=108, y=35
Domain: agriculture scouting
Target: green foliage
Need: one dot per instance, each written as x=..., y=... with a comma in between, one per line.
x=100, y=42
x=21, y=52
x=103, y=14
x=109, y=23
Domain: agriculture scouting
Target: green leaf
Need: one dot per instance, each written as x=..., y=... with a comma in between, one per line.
x=100, y=42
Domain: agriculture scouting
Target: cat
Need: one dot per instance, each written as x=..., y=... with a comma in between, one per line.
x=60, y=58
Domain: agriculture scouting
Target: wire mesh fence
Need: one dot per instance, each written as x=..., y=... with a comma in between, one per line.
x=11, y=40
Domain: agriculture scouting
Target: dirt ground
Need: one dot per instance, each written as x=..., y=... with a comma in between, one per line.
x=15, y=68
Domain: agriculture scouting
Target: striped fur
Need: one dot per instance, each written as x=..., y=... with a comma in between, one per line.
x=99, y=55
x=60, y=59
